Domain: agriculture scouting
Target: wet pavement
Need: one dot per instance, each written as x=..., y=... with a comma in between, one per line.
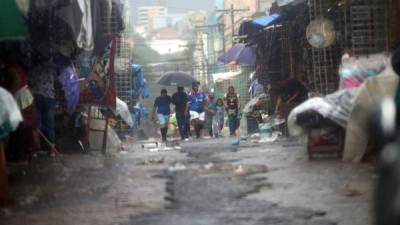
x=207, y=182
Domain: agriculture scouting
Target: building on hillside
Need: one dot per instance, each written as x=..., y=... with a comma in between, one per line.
x=146, y=15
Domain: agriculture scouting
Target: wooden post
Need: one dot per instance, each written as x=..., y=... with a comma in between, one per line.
x=105, y=137
x=5, y=196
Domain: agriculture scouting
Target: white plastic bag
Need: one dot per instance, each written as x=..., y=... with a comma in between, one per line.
x=123, y=111
x=10, y=114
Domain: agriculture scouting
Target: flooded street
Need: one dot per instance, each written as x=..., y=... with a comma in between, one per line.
x=206, y=182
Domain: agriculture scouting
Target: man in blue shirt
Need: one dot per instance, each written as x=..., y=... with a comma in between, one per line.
x=162, y=108
x=197, y=108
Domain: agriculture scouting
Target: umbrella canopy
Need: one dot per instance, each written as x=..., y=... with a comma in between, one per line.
x=12, y=25
x=180, y=79
x=239, y=53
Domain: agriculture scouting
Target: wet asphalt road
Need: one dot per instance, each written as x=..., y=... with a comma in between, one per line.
x=214, y=193
x=208, y=182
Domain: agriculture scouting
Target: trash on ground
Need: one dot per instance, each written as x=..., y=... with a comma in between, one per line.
x=177, y=167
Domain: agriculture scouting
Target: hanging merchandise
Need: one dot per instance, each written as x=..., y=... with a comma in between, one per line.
x=10, y=115
x=99, y=87
x=139, y=82
x=71, y=86
x=355, y=70
x=321, y=33
x=78, y=16
x=12, y=25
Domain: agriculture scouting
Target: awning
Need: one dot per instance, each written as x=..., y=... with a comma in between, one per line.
x=287, y=2
x=266, y=21
x=252, y=28
x=12, y=25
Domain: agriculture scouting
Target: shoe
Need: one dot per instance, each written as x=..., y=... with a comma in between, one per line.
x=237, y=142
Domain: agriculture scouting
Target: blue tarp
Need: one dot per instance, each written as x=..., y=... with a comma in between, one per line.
x=139, y=82
x=267, y=20
x=252, y=28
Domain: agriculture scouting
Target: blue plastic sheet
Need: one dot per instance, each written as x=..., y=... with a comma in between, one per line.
x=70, y=82
x=140, y=88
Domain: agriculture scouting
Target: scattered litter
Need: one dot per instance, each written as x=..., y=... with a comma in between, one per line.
x=351, y=191
x=150, y=145
x=209, y=166
x=153, y=150
x=123, y=152
x=177, y=167
x=156, y=161
x=270, y=138
x=240, y=171
x=243, y=170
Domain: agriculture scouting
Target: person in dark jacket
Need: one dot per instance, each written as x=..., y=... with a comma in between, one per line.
x=180, y=100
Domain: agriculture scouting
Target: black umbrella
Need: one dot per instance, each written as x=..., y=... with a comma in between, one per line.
x=180, y=79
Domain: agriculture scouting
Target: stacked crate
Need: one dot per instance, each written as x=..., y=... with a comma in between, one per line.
x=368, y=26
x=122, y=65
x=361, y=27
x=325, y=62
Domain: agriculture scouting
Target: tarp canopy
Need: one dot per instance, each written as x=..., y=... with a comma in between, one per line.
x=252, y=28
x=287, y=2
x=12, y=25
x=266, y=20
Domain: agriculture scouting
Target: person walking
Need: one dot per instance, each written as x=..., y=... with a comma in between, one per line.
x=163, y=111
x=180, y=100
x=211, y=110
x=218, y=118
x=232, y=105
x=197, y=108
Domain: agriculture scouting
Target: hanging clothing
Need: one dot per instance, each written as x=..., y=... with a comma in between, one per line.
x=78, y=16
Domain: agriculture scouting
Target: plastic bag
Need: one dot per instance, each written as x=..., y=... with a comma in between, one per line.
x=123, y=112
x=355, y=70
x=10, y=115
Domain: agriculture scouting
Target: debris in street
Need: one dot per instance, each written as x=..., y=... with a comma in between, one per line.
x=177, y=167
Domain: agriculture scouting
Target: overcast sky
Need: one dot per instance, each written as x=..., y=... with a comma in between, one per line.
x=176, y=6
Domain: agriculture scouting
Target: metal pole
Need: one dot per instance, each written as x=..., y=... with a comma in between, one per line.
x=232, y=21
